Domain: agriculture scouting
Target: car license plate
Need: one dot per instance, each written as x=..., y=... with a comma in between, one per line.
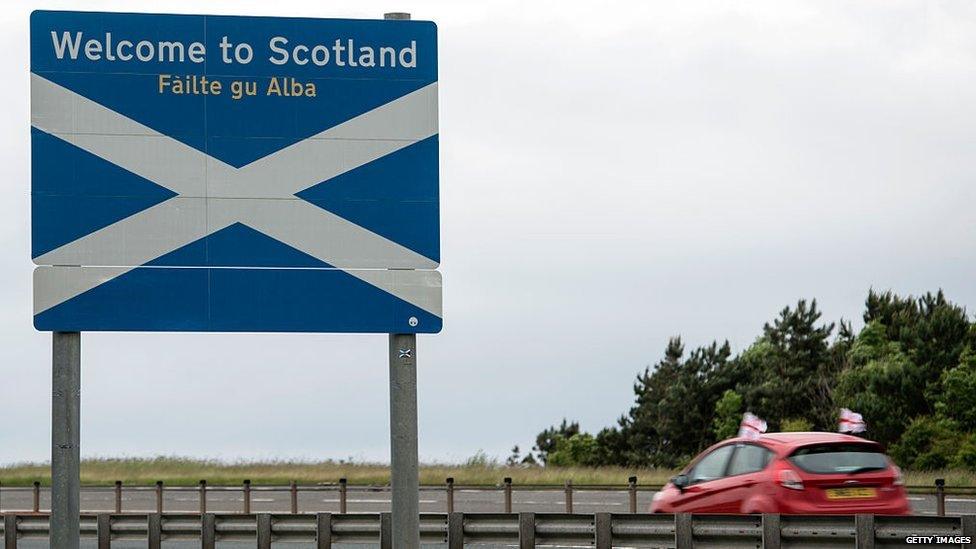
x=851, y=493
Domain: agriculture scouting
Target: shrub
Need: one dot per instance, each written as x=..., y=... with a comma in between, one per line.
x=796, y=424
x=579, y=449
x=928, y=443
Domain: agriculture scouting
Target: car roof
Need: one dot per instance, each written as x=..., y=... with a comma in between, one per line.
x=793, y=440
x=783, y=444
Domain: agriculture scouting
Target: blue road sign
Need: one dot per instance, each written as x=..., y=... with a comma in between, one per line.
x=216, y=173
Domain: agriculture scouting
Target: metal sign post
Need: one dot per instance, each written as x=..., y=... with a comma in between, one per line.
x=404, y=475
x=403, y=441
x=65, y=439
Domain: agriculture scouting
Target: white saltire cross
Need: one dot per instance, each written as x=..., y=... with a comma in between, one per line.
x=212, y=195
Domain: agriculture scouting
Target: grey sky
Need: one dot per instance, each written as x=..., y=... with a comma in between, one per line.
x=612, y=173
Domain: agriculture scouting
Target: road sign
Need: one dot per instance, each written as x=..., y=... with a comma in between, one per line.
x=216, y=173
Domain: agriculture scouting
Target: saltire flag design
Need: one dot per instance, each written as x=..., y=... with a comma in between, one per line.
x=751, y=426
x=153, y=210
x=851, y=422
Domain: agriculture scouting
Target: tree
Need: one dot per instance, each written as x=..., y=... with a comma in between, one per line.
x=728, y=415
x=545, y=442
x=928, y=443
x=957, y=400
x=640, y=428
x=882, y=383
x=672, y=416
x=579, y=450
x=791, y=364
x=911, y=372
x=515, y=457
x=930, y=330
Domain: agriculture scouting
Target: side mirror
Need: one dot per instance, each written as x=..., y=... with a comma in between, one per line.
x=680, y=482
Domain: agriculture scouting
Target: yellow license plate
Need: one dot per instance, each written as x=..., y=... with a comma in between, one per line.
x=851, y=493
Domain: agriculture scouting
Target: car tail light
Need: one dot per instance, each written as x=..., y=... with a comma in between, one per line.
x=899, y=477
x=789, y=479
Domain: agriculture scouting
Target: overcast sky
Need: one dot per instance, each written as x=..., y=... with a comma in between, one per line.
x=612, y=174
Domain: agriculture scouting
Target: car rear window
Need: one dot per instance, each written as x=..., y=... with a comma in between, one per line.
x=835, y=458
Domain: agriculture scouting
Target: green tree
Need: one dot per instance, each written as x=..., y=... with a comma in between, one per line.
x=914, y=358
x=882, y=383
x=788, y=372
x=928, y=443
x=575, y=451
x=639, y=430
x=931, y=331
x=545, y=442
x=728, y=415
x=957, y=399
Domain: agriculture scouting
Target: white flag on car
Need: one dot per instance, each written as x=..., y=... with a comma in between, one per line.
x=851, y=422
x=751, y=426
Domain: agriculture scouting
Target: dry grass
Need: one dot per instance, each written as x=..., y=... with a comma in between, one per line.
x=478, y=472
x=185, y=472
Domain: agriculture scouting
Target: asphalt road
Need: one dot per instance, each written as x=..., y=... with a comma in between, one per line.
x=378, y=500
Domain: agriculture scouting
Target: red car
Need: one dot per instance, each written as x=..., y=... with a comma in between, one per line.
x=789, y=473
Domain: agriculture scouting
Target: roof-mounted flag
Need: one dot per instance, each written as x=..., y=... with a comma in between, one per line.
x=751, y=426
x=851, y=422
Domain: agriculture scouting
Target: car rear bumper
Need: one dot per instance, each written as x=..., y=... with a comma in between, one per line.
x=889, y=507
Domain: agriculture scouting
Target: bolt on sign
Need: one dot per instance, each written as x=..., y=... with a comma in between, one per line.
x=218, y=173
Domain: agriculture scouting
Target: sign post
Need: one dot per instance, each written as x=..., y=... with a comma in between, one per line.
x=207, y=173
x=65, y=439
x=404, y=459
x=403, y=441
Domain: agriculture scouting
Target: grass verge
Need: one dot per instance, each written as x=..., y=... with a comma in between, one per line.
x=186, y=472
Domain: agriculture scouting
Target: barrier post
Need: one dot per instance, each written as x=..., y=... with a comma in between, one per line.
x=37, y=497
x=155, y=530
x=864, y=531
x=294, y=497
x=208, y=526
x=118, y=497
x=450, y=495
x=386, y=531
x=969, y=526
x=771, y=531
x=264, y=531
x=455, y=531
x=342, y=496
x=203, y=497
x=10, y=531
x=103, y=530
x=526, y=530
x=683, y=532
x=508, y=494
x=604, y=531
x=940, y=497
x=159, y=496
x=632, y=488
x=323, y=531
x=247, y=497
x=569, y=496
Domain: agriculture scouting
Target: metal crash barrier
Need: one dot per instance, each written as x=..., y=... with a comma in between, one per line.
x=457, y=530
